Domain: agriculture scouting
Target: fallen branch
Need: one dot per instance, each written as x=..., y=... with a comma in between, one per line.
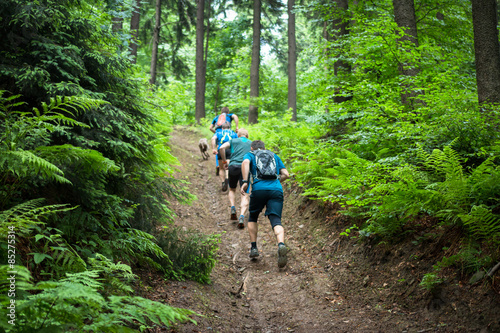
x=493, y=270
x=234, y=257
x=243, y=284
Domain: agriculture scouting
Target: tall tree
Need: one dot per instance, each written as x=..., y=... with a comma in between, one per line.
x=404, y=15
x=292, y=61
x=117, y=24
x=200, y=62
x=156, y=41
x=134, y=29
x=255, y=66
x=487, y=50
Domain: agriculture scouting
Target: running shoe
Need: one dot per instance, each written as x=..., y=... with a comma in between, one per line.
x=224, y=186
x=254, y=253
x=241, y=222
x=216, y=171
x=233, y=213
x=282, y=259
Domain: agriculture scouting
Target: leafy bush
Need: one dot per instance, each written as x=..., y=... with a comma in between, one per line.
x=193, y=254
x=84, y=169
x=76, y=303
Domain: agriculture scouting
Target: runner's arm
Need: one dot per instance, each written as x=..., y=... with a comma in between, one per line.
x=222, y=153
x=284, y=175
x=225, y=145
x=245, y=168
x=212, y=127
x=214, y=151
x=235, y=118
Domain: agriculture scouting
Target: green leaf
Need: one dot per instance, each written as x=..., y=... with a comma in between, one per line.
x=39, y=257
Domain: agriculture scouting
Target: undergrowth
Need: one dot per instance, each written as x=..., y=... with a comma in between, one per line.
x=389, y=189
x=192, y=254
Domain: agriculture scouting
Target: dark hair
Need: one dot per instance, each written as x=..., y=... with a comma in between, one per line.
x=227, y=124
x=225, y=109
x=257, y=144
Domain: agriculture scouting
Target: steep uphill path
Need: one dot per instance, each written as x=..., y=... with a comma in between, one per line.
x=329, y=285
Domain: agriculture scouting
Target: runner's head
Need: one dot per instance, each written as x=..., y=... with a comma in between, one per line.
x=257, y=144
x=226, y=125
x=242, y=132
x=225, y=109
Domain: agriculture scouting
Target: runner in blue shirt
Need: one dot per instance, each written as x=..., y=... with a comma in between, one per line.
x=214, y=127
x=267, y=175
x=220, y=137
x=229, y=118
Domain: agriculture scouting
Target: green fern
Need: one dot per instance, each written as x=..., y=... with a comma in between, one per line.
x=25, y=216
x=23, y=164
x=116, y=276
x=87, y=160
x=191, y=255
x=483, y=224
x=74, y=303
x=137, y=245
x=50, y=244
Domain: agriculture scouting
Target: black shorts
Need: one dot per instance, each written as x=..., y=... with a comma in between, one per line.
x=228, y=154
x=271, y=199
x=234, y=175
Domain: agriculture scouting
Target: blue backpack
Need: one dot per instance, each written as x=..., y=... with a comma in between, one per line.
x=225, y=136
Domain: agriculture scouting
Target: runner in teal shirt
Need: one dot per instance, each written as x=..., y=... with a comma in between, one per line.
x=266, y=193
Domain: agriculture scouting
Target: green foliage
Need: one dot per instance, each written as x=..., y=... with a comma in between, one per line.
x=192, y=254
x=469, y=260
x=25, y=216
x=81, y=131
x=139, y=246
x=286, y=138
x=431, y=281
x=50, y=244
x=75, y=303
x=116, y=277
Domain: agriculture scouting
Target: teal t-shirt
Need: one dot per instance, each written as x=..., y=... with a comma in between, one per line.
x=239, y=147
x=264, y=184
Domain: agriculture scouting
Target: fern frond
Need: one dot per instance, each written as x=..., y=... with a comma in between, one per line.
x=91, y=160
x=88, y=278
x=75, y=103
x=25, y=216
x=24, y=163
x=116, y=275
x=139, y=245
x=483, y=224
x=128, y=309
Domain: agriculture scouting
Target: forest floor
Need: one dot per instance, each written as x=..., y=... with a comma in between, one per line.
x=331, y=283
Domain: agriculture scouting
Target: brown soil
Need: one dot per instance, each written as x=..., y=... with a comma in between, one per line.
x=331, y=283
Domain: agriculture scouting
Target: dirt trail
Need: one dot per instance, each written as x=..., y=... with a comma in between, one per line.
x=329, y=285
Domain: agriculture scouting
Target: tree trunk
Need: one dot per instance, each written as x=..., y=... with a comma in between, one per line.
x=117, y=24
x=156, y=41
x=134, y=29
x=340, y=29
x=254, y=69
x=404, y=15
x=200, y=62
x=487, y=52
x=292, y=61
